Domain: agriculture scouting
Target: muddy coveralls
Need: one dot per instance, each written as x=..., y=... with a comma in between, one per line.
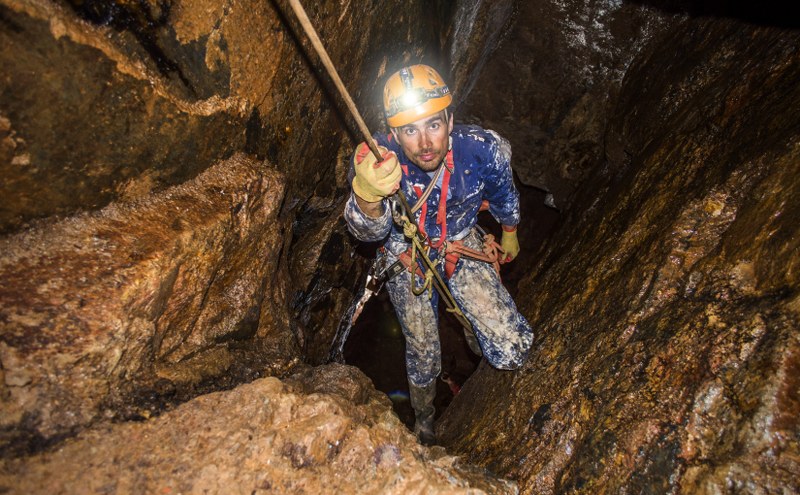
x=481, y=171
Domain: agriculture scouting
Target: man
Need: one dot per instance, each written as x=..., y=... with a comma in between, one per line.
x=459, y=168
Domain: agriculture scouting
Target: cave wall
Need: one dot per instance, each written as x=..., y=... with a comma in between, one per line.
x=172, y=176
x=666, y=308
x=89, y=84
x=88, y=117
x=106, y=314
x=552, y=84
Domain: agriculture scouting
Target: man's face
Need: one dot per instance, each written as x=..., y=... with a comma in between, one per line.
x=425, y=141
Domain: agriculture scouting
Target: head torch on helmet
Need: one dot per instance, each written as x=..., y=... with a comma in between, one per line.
x=413, y=93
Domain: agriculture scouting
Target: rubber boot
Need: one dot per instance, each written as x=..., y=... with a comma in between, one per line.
x=472, y=342
x=422, y=402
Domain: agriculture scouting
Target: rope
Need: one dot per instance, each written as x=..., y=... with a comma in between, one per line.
x=431, y=186
x=428, y=275
x=409, y=228
x=431, y=276
x=436, y=279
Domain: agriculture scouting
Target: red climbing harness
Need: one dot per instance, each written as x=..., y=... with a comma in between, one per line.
x=441, y=214
x=451, y=251
x=454, y=250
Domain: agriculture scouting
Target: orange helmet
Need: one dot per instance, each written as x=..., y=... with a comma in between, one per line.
x=413, y=93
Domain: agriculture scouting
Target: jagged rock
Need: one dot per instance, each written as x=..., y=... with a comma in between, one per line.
x=144, y=260
x=144, y=295
x=105, y=100
x=667, y=307
x=552, y=82
x=323, y=431
x=92, y=120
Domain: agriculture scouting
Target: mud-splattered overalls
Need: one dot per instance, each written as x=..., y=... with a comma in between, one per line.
x=481, y=171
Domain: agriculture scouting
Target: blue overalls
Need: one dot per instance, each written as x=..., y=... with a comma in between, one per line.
x=481, y=171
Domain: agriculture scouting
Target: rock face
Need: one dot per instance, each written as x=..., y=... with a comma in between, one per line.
x=667, y=308
x=143, y=296
x=105, y=101
x=552, y=83
x=108, y=101
x=325, y=430
x=86, y=117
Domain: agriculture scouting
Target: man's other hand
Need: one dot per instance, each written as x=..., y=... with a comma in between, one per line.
x=509, y=243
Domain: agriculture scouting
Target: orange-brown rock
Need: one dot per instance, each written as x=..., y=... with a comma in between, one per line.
x=322, y=431
x=150, y=294
x=171, y=184
x=144, y=256
x=104, y=101
x=666, y=308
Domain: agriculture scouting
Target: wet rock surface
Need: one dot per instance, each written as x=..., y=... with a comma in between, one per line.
x=87, y=118
x=105, y=101
x=552, y=82
x=666, y=308
x=172, y=176
x=150, y=252
x=142, y=298
x=324, y=430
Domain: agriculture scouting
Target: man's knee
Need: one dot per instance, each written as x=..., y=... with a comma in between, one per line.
x=508, y=363
x=509, y=355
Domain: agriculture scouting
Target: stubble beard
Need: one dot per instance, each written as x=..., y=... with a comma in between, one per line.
x=430, y=166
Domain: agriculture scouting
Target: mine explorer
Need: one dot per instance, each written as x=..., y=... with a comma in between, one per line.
x=448, y=173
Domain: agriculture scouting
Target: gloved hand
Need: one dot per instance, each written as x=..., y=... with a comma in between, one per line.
x=375, y=180
x=510, y=243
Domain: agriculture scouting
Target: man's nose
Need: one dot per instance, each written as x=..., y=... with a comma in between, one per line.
x=425, y=140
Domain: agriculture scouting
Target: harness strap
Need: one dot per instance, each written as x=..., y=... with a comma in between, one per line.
x=454, y=250
x=423, y=196
x=441, y=214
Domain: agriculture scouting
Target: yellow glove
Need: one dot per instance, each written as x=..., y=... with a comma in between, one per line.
x=509, y=243
x=375, y=180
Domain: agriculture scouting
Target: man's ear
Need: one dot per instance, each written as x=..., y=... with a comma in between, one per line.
x=451, y=118
x=394, y=133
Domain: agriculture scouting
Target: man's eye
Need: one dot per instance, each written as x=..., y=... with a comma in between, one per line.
x=435, y=126
x=409, y=131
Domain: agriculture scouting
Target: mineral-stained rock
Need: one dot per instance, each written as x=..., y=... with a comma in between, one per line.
x=153, y=294
x=139, y=259
x=145, y=257
x=323, y=431
x=666, y=309
x=91, y=119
